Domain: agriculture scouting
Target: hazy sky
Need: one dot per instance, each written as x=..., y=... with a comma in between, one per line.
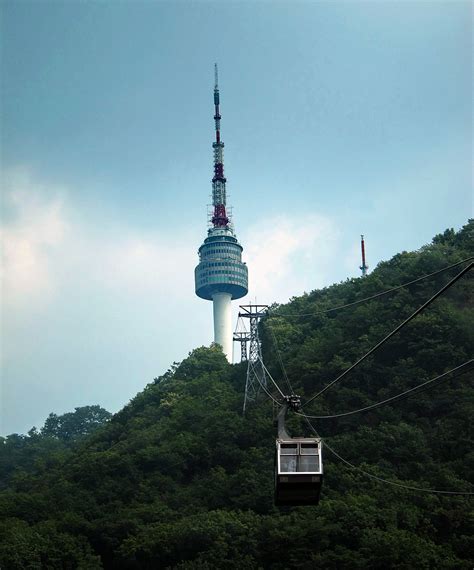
x=339, y=118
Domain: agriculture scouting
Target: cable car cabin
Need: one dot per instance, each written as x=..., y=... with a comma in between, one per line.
x=298, y=471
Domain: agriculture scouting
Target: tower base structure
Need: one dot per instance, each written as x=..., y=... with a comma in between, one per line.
x=223, y=322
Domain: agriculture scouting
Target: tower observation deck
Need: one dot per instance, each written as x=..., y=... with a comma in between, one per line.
x=220, y=275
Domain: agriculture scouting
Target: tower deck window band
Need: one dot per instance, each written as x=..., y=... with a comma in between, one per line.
x=298, y=471
x=234, y=271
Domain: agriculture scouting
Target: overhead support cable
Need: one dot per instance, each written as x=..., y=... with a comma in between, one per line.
x=396, y=483
x=375, y=296
x=381, y=479
x=263, y=386
x=406, y=394
x=393, y=332
x=272, y=379
x=277, y=350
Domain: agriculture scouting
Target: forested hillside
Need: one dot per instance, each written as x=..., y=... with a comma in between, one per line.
x=180, y=479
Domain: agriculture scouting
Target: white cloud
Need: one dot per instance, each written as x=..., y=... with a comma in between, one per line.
x=36, y=230
x=289, y=256
x=46, y=248
x=147, y=263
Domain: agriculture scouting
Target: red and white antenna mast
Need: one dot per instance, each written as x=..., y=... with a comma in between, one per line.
x=364, y=265
x=219, y=218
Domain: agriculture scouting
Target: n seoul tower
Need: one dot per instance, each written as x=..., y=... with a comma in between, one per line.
x=220, y=275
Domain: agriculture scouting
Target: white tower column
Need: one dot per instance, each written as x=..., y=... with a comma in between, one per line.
x=223, y=322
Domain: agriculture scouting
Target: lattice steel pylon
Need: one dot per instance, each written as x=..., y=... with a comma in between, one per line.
x=256, y=377
x=242, y=336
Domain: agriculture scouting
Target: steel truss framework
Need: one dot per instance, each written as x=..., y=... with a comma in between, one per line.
x=243, y=338
x=256, y=376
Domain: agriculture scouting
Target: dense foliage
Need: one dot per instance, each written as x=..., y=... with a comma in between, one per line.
x=179, y=479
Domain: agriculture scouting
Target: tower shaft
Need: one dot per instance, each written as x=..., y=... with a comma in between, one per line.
x=221, y=303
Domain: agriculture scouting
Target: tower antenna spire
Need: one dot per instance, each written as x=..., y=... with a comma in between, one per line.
x=219, y=217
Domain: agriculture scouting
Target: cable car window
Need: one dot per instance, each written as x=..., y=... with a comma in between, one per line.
x=309, y=449
x=288, y=463
x=289, y=449
x=309, y=463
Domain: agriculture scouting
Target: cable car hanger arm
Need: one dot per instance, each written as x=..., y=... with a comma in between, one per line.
x=293, y=402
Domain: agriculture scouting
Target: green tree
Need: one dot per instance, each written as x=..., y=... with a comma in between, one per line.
x=74, y=425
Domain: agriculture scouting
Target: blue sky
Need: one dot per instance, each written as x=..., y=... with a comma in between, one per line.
x=339, y=118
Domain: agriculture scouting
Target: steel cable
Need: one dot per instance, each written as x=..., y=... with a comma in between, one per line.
x=375, y=296
x=400, y=396
x=264, y=388
x=393, y=332
x=277, y=350
x=387, y=481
